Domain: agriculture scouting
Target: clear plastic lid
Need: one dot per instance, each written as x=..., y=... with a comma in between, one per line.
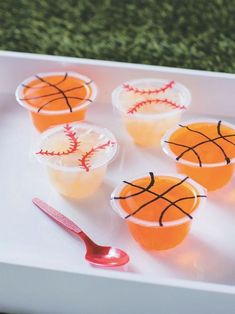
x=158, y=200
x=149, y=97
x=76, y=147
x=56, y=92
x=201, y=143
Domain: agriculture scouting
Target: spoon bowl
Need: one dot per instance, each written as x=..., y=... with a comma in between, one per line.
x=105, y=255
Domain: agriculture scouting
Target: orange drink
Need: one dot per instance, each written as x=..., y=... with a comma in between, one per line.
x=76, y=157
x=158, y=208
x=56, y=98
x=203, y=150
x=149, y=107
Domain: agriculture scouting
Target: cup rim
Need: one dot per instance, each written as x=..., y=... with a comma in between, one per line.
x=75, y=125
x=122, y=213
x=79, y=107
x=167, y=150
x=151, y=116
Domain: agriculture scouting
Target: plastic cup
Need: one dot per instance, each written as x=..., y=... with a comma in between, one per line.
x=158, y=208
x=203, y=150
x=76, y=157
x=56, y=97
x=149, y=107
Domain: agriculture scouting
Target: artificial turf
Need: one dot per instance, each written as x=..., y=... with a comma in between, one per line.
x=197, y=34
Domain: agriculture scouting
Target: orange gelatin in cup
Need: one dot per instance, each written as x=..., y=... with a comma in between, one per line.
x=205, y=151
x=56, y=98
x=158, y=209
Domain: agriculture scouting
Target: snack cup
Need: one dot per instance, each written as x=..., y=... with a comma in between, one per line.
x=56, y=97
x=149, y=107
x=76, y=156
x=159, y=209
x=211, y=162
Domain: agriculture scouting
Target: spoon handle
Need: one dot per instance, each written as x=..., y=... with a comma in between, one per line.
x=63, y=221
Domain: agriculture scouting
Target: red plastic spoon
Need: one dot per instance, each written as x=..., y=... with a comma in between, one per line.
x=105, y=256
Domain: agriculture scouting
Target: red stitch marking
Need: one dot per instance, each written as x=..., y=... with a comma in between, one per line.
x=137, y=90
x=85, y=160
x=166, y=101
x=73, y=144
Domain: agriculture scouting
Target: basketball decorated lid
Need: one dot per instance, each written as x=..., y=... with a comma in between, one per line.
x=202, y=143
x=76, y=147
x=56, y=92
x=157, y=200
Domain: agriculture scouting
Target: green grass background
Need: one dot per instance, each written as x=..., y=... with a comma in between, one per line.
x=197, y=34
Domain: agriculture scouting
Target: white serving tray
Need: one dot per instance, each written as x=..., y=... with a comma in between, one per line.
x=42, y=269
